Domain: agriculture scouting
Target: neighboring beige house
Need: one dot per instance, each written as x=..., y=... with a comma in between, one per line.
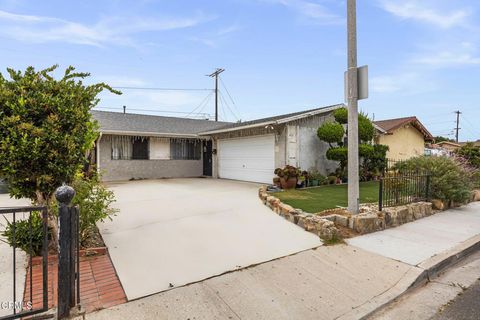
x=448, y=146
x=405, y=137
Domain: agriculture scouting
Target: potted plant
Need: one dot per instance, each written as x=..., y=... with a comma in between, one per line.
x=288, y=176
x=315, y=178
x=276, y=182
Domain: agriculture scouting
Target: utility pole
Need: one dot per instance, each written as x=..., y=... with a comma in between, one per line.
x=215, y=75
x=352, y=76
x=457, y=128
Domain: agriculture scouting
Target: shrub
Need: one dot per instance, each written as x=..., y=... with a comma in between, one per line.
x=332, y=179
x=314, y=174
x=337, y=154
x=451, y=179
x=366, y=150
x=341, y=115
x=94, y=200
x=331, y=132
x=23, y=234
x=366, y=130
x=471, y=153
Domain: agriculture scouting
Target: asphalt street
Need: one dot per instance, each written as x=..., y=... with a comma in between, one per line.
x=465, y=307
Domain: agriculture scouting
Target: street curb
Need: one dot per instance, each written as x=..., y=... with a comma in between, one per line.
x=416, y=276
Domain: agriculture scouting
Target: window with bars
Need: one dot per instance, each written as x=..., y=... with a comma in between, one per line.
x=185, y=149
x=128, y=148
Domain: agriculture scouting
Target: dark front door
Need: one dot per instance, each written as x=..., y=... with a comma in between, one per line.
x=207, y=158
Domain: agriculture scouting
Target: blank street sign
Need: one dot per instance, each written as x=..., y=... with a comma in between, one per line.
x=362, y=80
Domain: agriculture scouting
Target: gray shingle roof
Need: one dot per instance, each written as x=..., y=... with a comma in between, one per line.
x=141, y=123
x=239, y=125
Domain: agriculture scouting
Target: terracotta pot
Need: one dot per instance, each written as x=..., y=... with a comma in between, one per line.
x=289, y=183
x=276, y=182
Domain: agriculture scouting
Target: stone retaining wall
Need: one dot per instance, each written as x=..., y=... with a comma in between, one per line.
x=320, y=226
x=368, y=220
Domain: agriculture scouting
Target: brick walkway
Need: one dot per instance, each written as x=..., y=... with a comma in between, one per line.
x=99, y=285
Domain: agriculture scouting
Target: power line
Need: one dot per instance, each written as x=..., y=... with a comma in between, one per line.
x=162, y=89
x=472, y=128
x=230, y=96
x=222, y=98
x=206, y=103
x=150, y=110
x=201, y=103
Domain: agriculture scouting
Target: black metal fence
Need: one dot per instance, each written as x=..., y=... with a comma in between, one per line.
x=21, y=308
x=400, y=185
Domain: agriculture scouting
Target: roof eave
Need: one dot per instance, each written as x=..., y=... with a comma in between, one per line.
x=280, y=121
x=152, y=134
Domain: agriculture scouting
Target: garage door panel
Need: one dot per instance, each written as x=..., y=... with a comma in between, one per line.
x=247, y=159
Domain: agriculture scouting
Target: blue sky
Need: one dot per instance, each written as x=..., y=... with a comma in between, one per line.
x=280, y=55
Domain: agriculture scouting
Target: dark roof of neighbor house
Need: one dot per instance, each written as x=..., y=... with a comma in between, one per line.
x=391, y=125
x=130, y=123
x=275, y=119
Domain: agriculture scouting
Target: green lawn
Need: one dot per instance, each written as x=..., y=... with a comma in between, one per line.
x=326, y=197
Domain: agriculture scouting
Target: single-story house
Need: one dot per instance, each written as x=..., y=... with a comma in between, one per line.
x=405, y=137
x=135, y=146
x=448, y=146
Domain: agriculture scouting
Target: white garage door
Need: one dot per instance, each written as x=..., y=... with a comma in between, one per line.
x=247, y=159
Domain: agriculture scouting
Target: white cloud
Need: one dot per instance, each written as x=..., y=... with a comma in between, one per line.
x=312, y=11
x=117, y=31
x=453, y=55
x=212, y=39
x=423, y=12
x=407, y=83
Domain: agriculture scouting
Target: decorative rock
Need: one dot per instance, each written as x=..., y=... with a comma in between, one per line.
x=438, y=204
x=368, y=222
x=301, y=218
x=341, y=220
x=476, y=195
x=416, y=211
x=427, y=208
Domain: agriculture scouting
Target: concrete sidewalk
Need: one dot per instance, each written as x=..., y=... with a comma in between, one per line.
x=339, y=282
x=420, y=240
x=325, y=283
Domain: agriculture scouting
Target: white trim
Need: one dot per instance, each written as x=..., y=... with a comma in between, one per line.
x=153, y=134
x=98, y=153
x=309, y=114
x=280, y=121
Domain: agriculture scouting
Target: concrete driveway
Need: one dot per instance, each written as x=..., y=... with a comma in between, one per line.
x=173, y=232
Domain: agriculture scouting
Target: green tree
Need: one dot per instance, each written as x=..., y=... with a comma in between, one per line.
x=373, y=156
x=331, y=132
x=471, y=153
x=441, y=139
x=46, y=131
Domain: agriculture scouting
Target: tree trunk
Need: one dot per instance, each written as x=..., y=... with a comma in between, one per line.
x=47, y=200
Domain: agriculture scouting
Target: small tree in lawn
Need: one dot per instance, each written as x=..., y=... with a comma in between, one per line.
x=46, y=131
x=333, y=133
